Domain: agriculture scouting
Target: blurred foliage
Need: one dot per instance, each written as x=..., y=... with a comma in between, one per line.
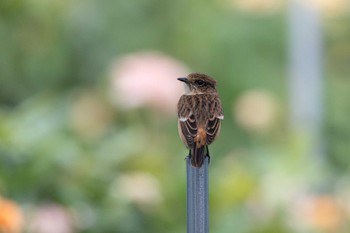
x=64, y=142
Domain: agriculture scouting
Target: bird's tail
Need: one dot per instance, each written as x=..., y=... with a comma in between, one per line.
x=198, y=156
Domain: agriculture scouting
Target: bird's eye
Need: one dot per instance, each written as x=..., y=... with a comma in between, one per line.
x=200, y=82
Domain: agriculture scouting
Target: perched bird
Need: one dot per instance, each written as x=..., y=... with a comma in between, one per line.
x=199, y=115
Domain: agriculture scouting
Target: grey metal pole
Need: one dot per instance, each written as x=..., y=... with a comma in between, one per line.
x=197, y=198
x=305, y=64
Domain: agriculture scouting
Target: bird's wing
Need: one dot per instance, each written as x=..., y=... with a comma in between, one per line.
x=187, y=121
x=214, y=122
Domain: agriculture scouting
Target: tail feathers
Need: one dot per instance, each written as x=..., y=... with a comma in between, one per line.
x=198, y=156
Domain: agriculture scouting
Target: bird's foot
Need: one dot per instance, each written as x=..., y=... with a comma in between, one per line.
x=189, y=156
x=208, y=156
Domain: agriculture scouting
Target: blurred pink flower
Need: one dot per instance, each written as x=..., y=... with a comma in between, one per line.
x=147, y=79
x=51, y=219
x=322, y=213
x=255, y=110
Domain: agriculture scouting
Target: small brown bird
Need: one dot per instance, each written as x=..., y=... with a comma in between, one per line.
x=200, y=114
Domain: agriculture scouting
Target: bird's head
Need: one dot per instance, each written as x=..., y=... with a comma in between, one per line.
x=196, y=83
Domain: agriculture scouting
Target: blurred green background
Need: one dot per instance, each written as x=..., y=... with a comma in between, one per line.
x=88, y=125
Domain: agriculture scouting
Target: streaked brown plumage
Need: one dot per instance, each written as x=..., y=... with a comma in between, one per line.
x=200, y=114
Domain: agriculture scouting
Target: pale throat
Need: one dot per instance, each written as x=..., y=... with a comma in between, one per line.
x=189, y=91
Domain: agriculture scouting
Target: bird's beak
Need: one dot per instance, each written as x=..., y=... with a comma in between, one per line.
x=185, y=80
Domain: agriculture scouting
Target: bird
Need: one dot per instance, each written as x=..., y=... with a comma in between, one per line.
x=199, y=116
